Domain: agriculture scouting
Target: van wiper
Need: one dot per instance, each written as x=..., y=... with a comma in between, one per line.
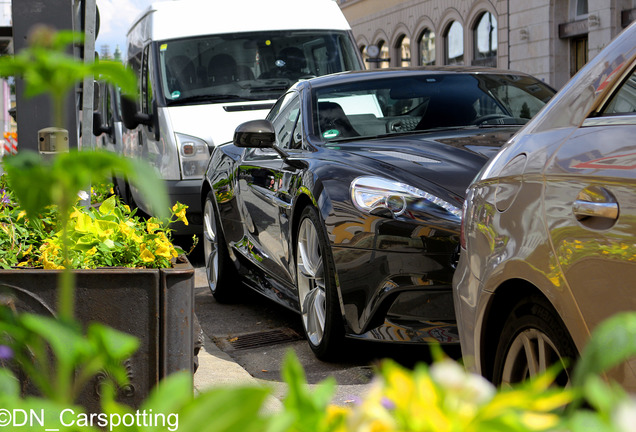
x=208, y=98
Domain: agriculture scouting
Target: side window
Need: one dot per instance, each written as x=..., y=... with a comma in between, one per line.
x=297, y=136
x=285, y=121
x=146, y=82
x=624, y=99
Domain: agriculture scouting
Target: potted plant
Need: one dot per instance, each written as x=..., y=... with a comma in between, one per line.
x=83, y=264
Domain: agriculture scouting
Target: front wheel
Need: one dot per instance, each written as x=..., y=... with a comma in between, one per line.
x=315, y=273
x=534, y=339
x=219, y=268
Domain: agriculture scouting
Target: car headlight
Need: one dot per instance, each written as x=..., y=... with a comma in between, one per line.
x=193, y=154
x=377, y=195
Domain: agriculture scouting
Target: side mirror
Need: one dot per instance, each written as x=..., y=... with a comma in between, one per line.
x=98, y=126
x=261, y=134
x=255, y=134
x=131, y=116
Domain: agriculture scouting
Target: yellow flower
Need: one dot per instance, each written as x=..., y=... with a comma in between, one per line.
x=125, y=229
x=179, y=211
x=163, y=249
x=146, y=256
x=152, y=226
x=539, y=421
x=21, y=214
x=91, y=251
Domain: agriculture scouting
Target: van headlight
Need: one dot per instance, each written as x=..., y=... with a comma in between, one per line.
x=193, y=154
x=381, y=196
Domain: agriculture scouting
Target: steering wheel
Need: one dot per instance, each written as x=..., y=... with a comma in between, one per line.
x=483, y=119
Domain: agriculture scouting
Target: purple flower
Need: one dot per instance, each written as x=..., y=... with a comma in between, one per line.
x=388, y=403
x=6, y=353
x=4, y=197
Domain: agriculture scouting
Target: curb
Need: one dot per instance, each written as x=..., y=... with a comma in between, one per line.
x=218, y=369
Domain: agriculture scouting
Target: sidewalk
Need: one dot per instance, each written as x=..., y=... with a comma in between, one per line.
x=218, y=369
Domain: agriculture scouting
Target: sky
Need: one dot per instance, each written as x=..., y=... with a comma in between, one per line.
x=115, y=17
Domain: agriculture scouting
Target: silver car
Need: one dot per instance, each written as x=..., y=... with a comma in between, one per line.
x=549, y=224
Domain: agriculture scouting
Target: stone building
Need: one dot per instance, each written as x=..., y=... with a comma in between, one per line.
x=550, y=39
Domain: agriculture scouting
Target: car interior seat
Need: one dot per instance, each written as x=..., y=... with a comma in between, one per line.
x=222, y=69
x=181, y=73
x=333, y=120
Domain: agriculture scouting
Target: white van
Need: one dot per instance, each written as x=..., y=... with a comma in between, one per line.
x=206, y=66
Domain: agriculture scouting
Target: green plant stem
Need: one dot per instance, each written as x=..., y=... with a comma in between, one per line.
x=66, y=282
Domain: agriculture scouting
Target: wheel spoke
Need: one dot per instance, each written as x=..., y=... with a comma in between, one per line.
x=530, y=352
x=311, y=283
x=210, y=246
x=314, y=307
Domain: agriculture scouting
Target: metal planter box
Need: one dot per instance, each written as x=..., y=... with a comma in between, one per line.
x=155, y=305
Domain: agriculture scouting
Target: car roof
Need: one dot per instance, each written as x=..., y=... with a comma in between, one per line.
x=371, y=74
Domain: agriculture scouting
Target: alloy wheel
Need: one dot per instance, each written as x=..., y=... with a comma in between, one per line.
x=210, y=245
x=531, y=353
x=311, y=282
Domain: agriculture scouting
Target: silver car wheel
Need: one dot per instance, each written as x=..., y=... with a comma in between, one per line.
x=531, y=353
x=210, y=245
x=311, y=282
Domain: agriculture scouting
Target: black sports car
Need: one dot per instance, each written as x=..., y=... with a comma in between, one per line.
x=344, y=204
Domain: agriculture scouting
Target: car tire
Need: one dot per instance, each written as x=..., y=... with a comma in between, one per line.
x=534, y=338
x=317, y=295
x=219, y=269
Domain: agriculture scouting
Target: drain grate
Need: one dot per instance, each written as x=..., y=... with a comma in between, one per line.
x=261, y=339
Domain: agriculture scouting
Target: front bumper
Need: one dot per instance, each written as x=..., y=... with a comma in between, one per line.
x=396, y=296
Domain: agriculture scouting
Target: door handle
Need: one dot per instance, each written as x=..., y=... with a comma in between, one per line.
x=584, y=209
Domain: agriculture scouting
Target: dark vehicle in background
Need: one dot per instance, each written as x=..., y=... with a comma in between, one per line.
x=548, y=228
x=344, y=204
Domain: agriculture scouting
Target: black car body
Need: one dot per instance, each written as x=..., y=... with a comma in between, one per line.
x=345, y=203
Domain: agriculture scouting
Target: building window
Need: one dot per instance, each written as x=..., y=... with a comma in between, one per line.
x=385, y=59
x=427, y=48
x=485, y=41
x=454, y=44
x=404, y=48
x=578, y=9
x=579, y=54
x=578, y=43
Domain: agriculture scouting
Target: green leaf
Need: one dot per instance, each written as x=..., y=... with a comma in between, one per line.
x=8, y=383
x=224, y=410
x=602, y=396
x=30, y=180
x=115, y=344
x=108, y=205
x=65, y=339
x=171, y=394
x=586, y=421
x=611, y=343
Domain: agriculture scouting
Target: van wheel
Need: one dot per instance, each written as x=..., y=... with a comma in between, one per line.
x=221, y=273
x=315, y=279
x=534, y=338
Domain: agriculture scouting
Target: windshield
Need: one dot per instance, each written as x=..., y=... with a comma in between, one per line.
x=250, y=66
x=426, y=102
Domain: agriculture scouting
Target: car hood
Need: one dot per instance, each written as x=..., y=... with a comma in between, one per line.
x=450, y=160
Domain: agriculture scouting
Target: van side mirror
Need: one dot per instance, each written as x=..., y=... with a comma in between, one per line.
x=131, y=116
x=99, y=127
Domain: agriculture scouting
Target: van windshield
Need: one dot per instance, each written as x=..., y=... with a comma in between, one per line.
x=249, y=66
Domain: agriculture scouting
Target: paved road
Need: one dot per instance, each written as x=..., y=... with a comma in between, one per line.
x=247, y=341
